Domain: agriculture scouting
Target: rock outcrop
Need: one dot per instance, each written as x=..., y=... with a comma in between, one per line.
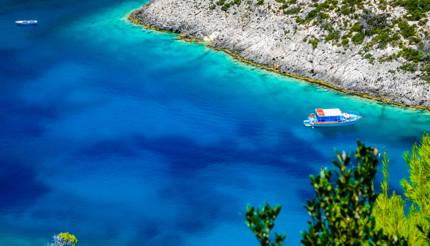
x=262, y=35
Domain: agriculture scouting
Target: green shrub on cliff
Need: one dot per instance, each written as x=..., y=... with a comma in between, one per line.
x=332, y=35
x=225, y=7
x=413, y=55
x=220, y=2
x=314, y=42
x=358, y=38
x=292, y=11
x=417, y=9
x=406, y=30
x=357, y=27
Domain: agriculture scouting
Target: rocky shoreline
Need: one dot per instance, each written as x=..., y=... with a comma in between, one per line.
x=275, y=42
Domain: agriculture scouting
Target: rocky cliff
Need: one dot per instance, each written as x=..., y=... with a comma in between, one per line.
x=322, y=43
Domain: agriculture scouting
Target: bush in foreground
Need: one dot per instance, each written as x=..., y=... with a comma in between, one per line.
x=347, y=211
x=414, y=225
x=261, y=223
x=64, y=239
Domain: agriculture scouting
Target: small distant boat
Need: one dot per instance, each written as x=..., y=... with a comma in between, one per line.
x=26, y=22
x=330, y=118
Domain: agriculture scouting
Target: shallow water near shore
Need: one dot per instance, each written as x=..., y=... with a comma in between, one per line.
x=125, y=136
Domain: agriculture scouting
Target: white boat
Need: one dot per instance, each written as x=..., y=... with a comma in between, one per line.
x=26, y=22
x=330, y=118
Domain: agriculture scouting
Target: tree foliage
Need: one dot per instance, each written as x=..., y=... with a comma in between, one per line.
x=341, y=212
x=390, y=210
x=261, y=223
x=347, y=211
x=417, y=188
x=64, y=239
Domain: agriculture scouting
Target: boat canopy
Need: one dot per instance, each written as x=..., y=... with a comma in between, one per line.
x=328, y=112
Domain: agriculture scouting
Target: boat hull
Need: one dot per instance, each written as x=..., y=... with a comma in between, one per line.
x=26, y=22
x=308, y=124
x=354, y=118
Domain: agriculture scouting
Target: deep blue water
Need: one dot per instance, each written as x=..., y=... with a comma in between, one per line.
x=131, y=137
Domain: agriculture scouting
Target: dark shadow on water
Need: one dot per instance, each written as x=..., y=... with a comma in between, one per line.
x=188, y=155
x=291, y=154
x=344, y=131
x=306, y=194
x=12, y=71
x=104, y=149
x=409, y=139
x=19, y=184
x=186, y=185
x=24, y=120
x=149, y=233
x=250, y=129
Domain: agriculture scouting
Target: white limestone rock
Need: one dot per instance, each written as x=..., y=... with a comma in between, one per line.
x=269, y=38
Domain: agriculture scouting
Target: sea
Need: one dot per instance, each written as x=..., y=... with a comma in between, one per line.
x=127, y=136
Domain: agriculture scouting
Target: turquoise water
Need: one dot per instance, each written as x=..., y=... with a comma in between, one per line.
x=130, y=137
